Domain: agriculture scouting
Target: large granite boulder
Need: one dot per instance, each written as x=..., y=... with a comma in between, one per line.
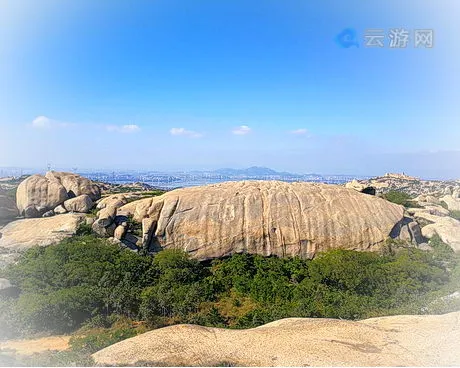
x=82, y=204
x=267, y=218
x=23, y=234
x=39, y=194
x=75, y=185
x=42, y=193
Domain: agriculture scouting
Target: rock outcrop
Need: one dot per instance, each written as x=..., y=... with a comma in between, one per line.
x=453, y=203
x=22, y=234
x=265, y=217
x=385, y=341
x=363, y=188
x=39, y=194
x=408, y=184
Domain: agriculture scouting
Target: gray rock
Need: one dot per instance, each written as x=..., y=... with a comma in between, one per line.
x=131, y=241
x=100, y=228
x=49, y=213
x=415, y=232
x=31, y=212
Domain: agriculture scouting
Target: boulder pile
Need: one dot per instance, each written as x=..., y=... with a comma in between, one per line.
x=55, y=193
x=436, y=204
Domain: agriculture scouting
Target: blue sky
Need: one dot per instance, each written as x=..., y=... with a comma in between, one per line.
x=168, y=85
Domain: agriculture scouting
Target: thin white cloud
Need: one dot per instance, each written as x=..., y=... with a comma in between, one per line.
x=185, y=132
x=126, y=129
x=43, y=122
x=301, y=131
x=241, y=130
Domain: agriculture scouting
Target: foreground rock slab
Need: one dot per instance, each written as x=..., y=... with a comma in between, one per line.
x=22, y=234
x=386, y=341
x=266, y=218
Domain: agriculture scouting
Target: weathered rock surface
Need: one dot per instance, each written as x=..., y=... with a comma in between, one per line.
x=75, y=185
x=453, y=203
x=81, y=204
x=39, y=192
x=446, y=227
x=267, y=218
x=23, y=234
x=448, y=230
x=385, y=341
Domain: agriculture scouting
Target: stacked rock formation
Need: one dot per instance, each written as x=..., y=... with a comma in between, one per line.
x=55, y=193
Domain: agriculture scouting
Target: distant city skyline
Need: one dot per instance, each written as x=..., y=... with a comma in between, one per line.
x=140, y=174
x=174, y=85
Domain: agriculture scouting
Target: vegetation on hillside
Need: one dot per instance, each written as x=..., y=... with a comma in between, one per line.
x=85, y=281
x=401, y=198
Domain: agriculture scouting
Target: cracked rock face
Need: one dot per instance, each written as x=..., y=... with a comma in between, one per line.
x=266, y=218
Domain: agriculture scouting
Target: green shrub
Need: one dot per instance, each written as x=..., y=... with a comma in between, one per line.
x=84, y=229
x=135, y=227
x=455, y=214
x=60, y=311
x=398, y=197
x=85, y=281
x=444, y=205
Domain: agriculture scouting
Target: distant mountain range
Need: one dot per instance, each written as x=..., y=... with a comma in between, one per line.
x=253, y=171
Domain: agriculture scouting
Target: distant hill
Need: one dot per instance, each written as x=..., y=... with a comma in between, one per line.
x=252, y=171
